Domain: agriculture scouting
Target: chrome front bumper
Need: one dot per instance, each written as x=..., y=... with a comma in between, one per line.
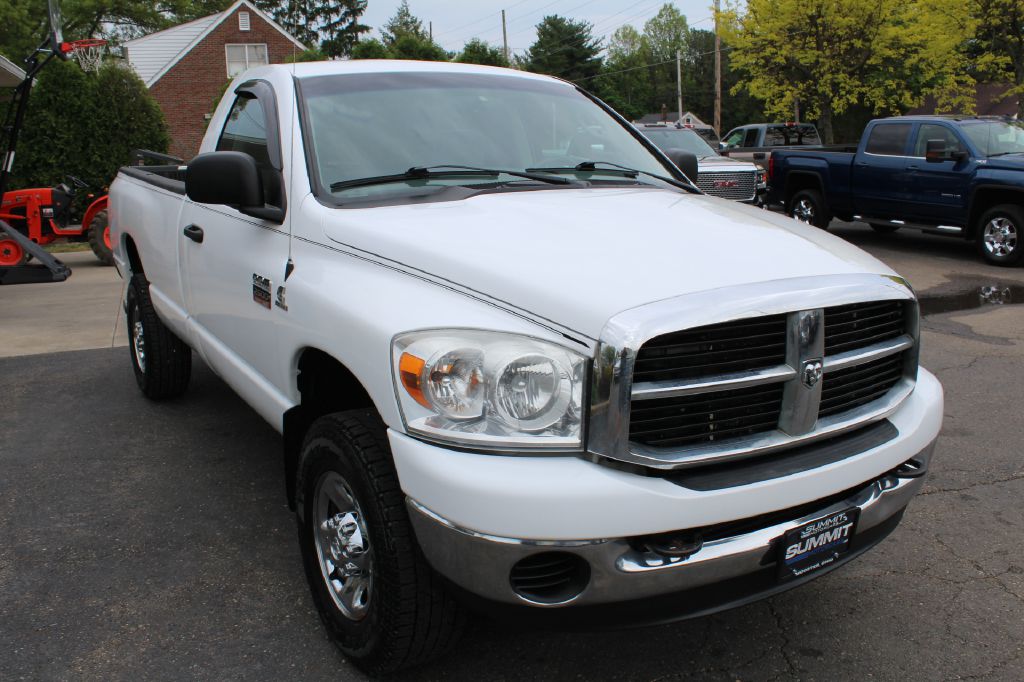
x=620, y=572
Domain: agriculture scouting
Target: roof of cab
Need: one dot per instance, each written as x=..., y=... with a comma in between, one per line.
x=358, y=66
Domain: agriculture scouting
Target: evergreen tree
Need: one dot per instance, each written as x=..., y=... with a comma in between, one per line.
x=565, y=48
x=300, y=18
x=340, y=27
x=477, y=51
x=403, y=24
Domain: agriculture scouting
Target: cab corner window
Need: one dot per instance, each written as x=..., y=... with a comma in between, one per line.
x=889, y=139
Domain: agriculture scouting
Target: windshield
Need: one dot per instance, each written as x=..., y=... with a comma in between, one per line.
x=993, y=138
x=676, y=138
x=373, y=125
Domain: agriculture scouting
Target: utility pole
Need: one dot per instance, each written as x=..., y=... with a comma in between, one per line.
x=796, y=109
x=430, y=24
x=504, y=36
x=679, y=82
x=718, y=72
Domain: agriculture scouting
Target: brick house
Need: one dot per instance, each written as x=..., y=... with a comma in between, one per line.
x=186, y=67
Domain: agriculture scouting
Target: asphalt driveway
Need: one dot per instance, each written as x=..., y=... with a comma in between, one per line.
x=142, y=540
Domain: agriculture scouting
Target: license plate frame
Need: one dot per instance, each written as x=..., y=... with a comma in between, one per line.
x=813, y=546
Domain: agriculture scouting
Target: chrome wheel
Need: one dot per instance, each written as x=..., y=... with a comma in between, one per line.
x=343, y=546
x=803, y=210
x=1000, y=237
x=139, y=342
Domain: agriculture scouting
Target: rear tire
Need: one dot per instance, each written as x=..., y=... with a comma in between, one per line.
x=99, y=238
x=162, y=362
x=882, y=228
x=808, y=206
x=396, y=612
x=999, y=235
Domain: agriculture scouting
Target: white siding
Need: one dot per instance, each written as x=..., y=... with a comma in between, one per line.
x=150, y=54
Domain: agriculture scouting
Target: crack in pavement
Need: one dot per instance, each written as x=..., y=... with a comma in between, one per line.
x=793, y=670
x=980, y=484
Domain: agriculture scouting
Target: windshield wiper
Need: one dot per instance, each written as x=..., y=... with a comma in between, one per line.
x=427, y=172
x=591, y=167
x=1004, y=154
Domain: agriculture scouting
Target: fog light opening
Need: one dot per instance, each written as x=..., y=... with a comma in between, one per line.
x=550, y=578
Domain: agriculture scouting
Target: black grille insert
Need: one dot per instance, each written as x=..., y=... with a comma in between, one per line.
x=727, y=347
x=846, y=389
x=848, y=327
x=705, y=417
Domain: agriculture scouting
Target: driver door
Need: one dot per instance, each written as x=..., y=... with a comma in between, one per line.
x=233, y=262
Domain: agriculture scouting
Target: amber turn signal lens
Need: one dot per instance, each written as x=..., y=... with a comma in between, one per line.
x=410, y=371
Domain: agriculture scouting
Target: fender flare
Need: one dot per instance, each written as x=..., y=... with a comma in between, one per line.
x=94, y=208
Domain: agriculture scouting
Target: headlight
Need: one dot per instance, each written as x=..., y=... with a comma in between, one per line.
x=489, y=389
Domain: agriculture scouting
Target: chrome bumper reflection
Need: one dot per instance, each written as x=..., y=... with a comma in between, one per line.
x=481, y=563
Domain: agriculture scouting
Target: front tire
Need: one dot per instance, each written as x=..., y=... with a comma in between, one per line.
x=162, y=362
x=380, y=601
x=99, y=238
x=999, y=235
x=808, y=206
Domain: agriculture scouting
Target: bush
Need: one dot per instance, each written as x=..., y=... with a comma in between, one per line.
x=86, y=125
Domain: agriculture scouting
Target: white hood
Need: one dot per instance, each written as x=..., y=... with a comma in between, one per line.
x=579, y=256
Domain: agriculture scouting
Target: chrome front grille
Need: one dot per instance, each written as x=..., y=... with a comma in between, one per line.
x=737, y=372
x=735, y=185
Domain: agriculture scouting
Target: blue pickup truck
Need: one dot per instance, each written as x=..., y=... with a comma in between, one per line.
x=955, y=175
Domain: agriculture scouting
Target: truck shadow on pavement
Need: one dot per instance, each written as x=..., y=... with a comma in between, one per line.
x=153, y=540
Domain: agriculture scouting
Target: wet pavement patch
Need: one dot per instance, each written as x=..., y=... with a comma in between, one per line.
x=969, y=293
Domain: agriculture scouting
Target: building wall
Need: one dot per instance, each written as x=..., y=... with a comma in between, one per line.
x=191, y=88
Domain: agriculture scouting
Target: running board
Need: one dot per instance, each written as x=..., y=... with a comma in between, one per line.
x=951, y=229
x=49, y=269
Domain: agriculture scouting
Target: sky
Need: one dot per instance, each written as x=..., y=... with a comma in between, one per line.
x=456, y=21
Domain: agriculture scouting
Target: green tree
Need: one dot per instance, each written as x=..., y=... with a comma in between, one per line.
x=301, y=18
x=565, y=48
x=403, y=23
x=369, y=49
x=86, y=125
x=1000, y=40
x=665, y=33
x=340, y=26
x=625, y=82
x=477, y=51
x=410, y=46
x=832, y=54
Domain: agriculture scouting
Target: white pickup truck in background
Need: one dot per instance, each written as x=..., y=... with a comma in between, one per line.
x=518, y=362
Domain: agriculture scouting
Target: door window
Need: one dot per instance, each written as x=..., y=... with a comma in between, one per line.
x=889, y=139
x=751, y=140
x=931, y=131
x=246, y=131
x=734, y=138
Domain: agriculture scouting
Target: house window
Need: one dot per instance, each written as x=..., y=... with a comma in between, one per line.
x=243, y=21
x=242, y=57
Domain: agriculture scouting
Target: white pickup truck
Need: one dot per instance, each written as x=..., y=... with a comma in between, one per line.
x=518, y=361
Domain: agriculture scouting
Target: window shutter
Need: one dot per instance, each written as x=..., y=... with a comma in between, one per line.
x=243, y=21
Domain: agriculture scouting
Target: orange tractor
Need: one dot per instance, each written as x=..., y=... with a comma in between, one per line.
x=43, y=216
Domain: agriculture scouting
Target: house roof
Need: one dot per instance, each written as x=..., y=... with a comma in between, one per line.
x=10, y=73
x=153, y=55
x=673, y=116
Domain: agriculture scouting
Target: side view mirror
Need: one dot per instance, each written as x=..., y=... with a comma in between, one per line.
x=936, y=152
x=684, y=161
x=229, y=178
